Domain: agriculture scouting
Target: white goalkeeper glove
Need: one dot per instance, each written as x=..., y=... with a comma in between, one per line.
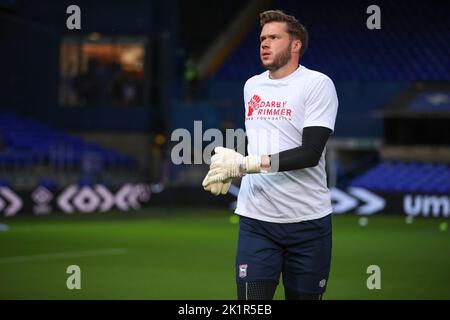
x=227, y=163
x=216, y=188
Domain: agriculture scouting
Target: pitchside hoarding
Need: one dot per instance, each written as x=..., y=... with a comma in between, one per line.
x=134, y=196
x=75, y=199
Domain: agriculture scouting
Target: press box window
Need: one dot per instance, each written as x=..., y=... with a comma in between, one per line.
x=103, y=71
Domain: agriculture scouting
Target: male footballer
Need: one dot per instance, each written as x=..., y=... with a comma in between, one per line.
x=284, y=203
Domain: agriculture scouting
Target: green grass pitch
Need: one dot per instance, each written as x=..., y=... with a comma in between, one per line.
x=181, y=253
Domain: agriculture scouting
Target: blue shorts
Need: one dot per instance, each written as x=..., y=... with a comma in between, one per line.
x=301, y=252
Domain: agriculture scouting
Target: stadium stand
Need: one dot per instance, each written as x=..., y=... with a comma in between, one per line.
x=431, y=101
x=415, y=47
x=26, y=143
x=414, y=177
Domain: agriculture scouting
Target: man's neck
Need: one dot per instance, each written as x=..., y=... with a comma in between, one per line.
x=284, y=71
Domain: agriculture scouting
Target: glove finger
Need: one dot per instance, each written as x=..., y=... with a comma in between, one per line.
x=226, y=186
x=215, y=179
x=215, y=158
x=214, y=172
x=215, y=165
x=216, y=188
x=206, y=181
x=207, y=187
x=218, y=149
x=216, y=175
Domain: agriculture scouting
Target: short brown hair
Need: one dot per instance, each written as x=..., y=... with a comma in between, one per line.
x=294, y=28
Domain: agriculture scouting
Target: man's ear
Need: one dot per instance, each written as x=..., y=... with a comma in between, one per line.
x=296, y=46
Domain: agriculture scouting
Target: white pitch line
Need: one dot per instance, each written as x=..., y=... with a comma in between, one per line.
x=62, y=255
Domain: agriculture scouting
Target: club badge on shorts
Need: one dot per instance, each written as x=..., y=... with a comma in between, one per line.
x=322, y=283
x=242, y=270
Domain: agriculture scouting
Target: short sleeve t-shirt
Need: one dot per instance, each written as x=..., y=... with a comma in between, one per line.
x=276, y=111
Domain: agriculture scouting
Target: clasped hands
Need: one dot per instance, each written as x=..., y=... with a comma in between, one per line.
x=227, y=164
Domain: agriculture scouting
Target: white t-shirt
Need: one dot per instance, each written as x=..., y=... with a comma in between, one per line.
x=276, y=111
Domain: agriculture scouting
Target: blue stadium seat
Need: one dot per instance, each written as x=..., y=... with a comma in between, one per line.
x=406, y=177
x=343, y=48
x=26, y=143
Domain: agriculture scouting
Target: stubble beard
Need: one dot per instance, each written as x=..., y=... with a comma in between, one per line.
x=280, y=60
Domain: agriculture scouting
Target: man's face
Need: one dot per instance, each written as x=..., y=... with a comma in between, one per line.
x=275, y=48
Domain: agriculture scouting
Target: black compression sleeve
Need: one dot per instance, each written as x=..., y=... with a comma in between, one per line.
x=307, y=155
